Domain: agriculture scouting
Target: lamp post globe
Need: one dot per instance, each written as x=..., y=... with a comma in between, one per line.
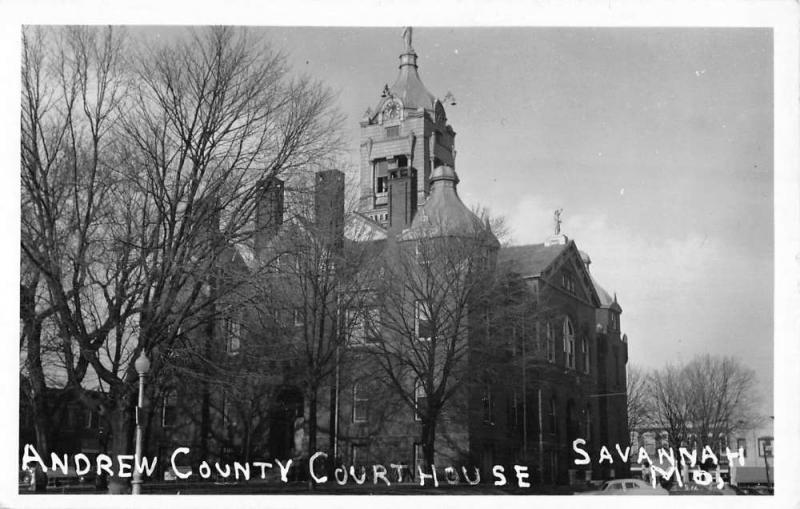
x=142, y=364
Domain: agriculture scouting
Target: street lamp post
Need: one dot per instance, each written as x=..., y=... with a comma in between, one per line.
x=142, y=366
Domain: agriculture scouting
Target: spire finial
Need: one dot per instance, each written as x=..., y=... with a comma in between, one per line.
x=407, y=33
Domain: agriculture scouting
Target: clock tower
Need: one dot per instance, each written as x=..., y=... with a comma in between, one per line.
x=403, y=139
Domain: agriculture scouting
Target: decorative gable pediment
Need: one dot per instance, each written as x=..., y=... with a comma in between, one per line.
x=568, y=272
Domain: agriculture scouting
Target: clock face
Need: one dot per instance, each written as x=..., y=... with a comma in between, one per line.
x=391, y=111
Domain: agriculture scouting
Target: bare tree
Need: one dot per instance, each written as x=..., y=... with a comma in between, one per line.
x=639, y=403
x=702, y=402
x=721, y=391
x=161, y=164
x=668, y=392
x=72, y=89
x=433, y=297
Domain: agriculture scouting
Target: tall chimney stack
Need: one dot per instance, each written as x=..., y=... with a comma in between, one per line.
x=329, y=207
x=269, y=213
x=402, y=199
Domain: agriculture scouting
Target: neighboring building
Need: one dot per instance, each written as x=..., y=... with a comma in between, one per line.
x=758, y=446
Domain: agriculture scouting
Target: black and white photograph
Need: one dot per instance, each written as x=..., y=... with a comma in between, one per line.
x=391, y=254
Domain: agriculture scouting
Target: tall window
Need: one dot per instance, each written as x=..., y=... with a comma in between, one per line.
x=569, y=343
x=422, y=322
x=381, y=176
x=169, y=410
x=585, y=354
x=515, y=412
x=357, y=454
x=741, y=443
x=488, y=405
x=92, y=419
x=420, y=400
x=233, y=331
x=553, y=416
x=355, y=323
x=360, y=402
x=372, y=321
x=588, y=431
x=550, y=341
x=568, y=282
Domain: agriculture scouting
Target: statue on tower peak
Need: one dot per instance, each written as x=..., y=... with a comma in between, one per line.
x=557, y=220
x=407, y=38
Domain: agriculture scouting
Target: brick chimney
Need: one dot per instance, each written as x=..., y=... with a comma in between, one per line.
x=269, y=212
x=402, y=198
x=329, y=206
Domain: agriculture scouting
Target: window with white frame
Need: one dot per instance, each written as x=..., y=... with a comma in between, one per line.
x=360, y=403
x=233, y=331
x=297, y=317
x=420, y=400
x=422, y=322
x=569, y=343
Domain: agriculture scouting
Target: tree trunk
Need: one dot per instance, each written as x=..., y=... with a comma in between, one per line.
x=312, y=419
x=332, y=421
x=32, y=332
x=428, y=439
x=120, y=443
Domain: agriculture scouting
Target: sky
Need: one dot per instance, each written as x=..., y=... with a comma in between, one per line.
x=656, y=142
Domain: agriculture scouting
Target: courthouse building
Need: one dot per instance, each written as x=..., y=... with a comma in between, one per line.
x=558, y=358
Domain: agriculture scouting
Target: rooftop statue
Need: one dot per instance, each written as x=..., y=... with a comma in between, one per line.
x=557, y=220
x=407, y=38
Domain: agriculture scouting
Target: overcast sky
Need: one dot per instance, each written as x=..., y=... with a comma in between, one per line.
x=657, y=143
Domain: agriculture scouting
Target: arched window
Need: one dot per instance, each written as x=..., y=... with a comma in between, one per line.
x=569, y=343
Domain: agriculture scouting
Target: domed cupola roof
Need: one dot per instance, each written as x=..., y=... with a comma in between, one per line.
x=408, y=87
x=444, y=214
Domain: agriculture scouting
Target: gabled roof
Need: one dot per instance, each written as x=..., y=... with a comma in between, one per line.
x=606, y=300
x=360, y=228
x=531, y=259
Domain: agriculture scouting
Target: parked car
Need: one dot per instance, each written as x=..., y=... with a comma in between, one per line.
x=627, y=487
